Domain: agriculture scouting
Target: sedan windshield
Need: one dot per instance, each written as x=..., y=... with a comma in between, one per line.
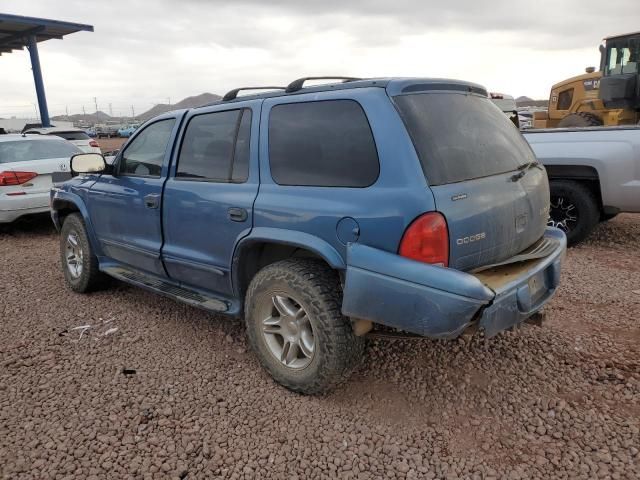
x=25, y=150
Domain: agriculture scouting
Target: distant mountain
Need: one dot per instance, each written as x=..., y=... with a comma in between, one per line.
x=530, y=102
x=189, y=102
x=88, y=118
x=101, y=117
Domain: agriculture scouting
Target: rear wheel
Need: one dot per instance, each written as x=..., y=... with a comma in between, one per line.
x=79, y=263
x=580, y=119
x=294, y=324
x=574, y=209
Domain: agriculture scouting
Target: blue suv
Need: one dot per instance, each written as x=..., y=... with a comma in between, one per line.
x=320, y=213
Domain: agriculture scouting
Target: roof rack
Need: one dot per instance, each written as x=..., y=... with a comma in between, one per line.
x=233, y=94
x=299, y=83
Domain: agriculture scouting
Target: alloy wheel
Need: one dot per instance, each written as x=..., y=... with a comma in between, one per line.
x=288, y=332
x=74, y=254
x=563, y=214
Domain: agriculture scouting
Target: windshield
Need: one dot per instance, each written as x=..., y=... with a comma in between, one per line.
x=460, y=136
x=25, y=150
x=623, y=56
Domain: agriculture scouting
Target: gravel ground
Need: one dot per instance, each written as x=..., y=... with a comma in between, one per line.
x=173, y=393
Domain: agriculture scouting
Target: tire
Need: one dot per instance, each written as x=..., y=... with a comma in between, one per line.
x=606, y=217
x=574, y=209
x=82, y=276
x=313, y=288
x=580, y=119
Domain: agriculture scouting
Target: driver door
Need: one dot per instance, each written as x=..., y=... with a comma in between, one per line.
x=125, y=207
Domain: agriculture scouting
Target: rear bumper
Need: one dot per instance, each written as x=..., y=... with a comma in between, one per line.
x=440, y=302
x=14, y=207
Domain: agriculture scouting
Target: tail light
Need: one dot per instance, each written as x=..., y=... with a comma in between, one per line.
x=15, y=178
x=93, y=143
x=427, y=240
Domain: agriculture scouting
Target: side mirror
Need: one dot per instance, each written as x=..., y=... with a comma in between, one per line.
x=88, y=163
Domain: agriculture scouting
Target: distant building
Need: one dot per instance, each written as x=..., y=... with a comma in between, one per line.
x=15, y=125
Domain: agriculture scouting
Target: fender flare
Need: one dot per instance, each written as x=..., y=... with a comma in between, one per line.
x=292, y=238
x=60, y=200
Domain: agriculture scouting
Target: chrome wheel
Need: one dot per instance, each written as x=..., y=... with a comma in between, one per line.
x=563, y=214
x=73, y=254
x=288, y=333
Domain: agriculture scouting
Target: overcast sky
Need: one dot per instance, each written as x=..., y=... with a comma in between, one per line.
x=145, y=52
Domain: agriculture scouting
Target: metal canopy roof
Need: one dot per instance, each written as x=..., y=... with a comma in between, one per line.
x=15, y=30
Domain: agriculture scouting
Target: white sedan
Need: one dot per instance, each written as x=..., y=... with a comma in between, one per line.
x=75, y=135
x=27, y=163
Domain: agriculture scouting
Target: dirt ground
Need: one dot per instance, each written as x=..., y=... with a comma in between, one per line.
x=155, y=389
x=110, y=144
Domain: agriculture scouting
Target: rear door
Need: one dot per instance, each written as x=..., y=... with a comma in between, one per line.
x=125, y=206
x=484, y=177
x=208, y=198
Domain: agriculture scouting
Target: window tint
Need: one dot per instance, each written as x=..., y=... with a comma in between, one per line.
x=145, y=154
x=459, y=137
x=326, y=144
x=72, y=135
x=24, y=150
x=241, y=155
x=208, y=146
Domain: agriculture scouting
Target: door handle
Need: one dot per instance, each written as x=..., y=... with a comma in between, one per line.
x=152, y=200
x=237, y=214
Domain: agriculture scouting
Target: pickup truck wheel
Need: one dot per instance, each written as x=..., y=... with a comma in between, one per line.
x=294, y=324
x=574, y=209
x=79, y=264
x=580, y=119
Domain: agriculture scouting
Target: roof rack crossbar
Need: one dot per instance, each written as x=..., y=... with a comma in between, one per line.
x=233, y=94
x=299, y=83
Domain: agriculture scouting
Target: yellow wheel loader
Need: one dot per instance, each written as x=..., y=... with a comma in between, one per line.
x=610, y=96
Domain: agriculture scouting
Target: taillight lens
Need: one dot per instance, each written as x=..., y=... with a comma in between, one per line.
x=427, y=240
x=15, y=178
x=93, y=143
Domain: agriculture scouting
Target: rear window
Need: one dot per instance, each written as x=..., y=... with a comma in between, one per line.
x=71, y=135
x=323, y=144
x=459, y=137
x=25, y=150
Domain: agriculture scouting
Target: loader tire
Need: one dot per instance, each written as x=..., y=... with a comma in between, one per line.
x=581, y=119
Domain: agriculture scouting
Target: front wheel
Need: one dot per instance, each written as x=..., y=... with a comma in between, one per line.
x=294, y=324
x=79, y=263
x=573, y=209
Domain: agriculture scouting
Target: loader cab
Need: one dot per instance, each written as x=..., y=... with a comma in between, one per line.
x=620, y=65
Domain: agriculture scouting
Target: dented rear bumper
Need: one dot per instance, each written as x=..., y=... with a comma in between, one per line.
x=441, y=302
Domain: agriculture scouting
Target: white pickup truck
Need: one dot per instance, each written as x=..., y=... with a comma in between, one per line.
x=594, y=174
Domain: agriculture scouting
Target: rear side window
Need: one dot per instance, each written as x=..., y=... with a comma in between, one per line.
x=72, y=135
x=216, y=147
x=459, y=137
x=25, y=150
x=324, y=144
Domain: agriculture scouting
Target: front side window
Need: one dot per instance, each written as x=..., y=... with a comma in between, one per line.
x=144, y=156
x=323, y=144
x=216, y=147
x=623, y=56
